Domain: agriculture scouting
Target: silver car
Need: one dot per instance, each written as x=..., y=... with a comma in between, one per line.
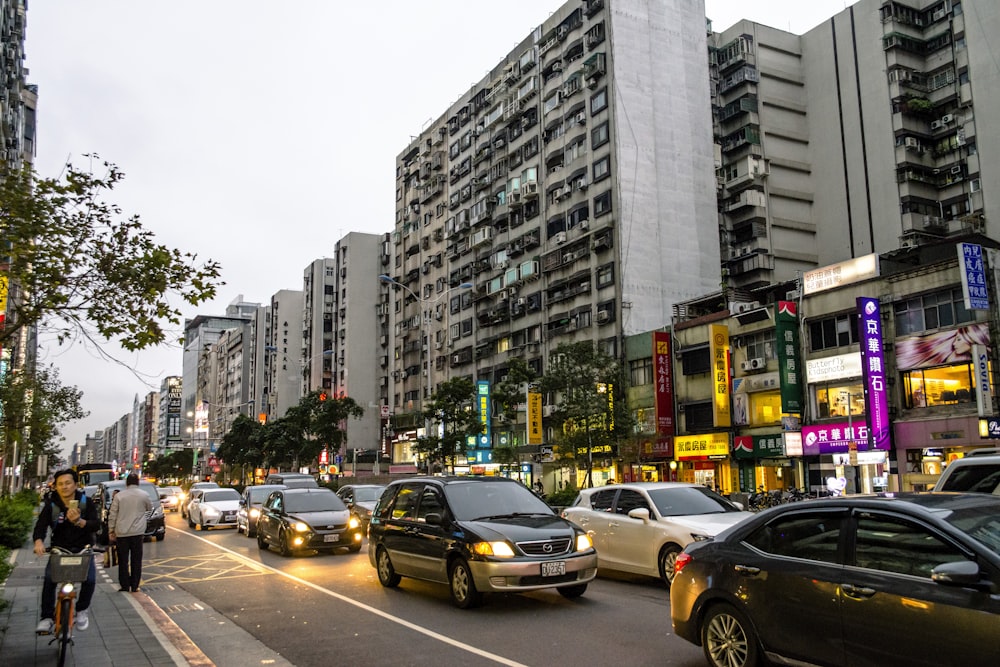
x=640, y=528
x=361, y=499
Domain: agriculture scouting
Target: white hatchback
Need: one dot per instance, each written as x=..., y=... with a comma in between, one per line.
x=640, y=528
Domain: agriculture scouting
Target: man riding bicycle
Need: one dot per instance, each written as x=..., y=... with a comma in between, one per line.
x=72, y=518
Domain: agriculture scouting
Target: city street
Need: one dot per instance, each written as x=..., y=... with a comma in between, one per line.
x=315, y=608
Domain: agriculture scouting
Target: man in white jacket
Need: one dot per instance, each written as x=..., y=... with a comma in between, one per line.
x=126, y=528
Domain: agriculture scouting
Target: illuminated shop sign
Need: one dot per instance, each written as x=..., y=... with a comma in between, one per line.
x=873, y=371
x=706, y=445
x=837, y=367
x=838, y=275
x=719, y=350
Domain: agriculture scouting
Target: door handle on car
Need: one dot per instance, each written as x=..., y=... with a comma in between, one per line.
x=852, y=591
x=746, y=569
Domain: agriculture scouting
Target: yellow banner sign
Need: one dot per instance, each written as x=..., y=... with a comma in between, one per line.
x=719, y=349
x=534, y=418
x=701, y=446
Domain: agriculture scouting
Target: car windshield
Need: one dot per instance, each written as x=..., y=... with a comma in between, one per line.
x=260, y=495
x=220, y=495
x=367, y=494
x=687, y=500
x=977, y=478
x=480, y=500
x=313, y=502
x=978, y=521
x=151, y=492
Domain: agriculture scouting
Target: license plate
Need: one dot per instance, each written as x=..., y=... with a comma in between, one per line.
x=333, y=537
x=554, y=569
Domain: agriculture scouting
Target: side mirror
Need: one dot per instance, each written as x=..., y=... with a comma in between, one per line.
x=640, y=513
x=243, y=502
x=737, y=505
x=433, y=518
x=960, y=573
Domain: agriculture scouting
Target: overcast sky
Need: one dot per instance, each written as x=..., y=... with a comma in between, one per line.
x=259, y=133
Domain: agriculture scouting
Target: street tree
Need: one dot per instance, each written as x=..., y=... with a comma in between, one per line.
x=451, y=406
x=76, y=266
x=175, y=465
x=328, y=420
x=586, y=384
x=240, y=445
x=35, y=405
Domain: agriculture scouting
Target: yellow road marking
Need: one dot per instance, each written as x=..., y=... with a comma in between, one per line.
x=186, y=569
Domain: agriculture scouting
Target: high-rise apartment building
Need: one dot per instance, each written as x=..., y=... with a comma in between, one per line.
x=571, y=190
x=867, y=133
x=282, y=388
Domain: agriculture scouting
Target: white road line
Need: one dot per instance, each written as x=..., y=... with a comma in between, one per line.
x=360, y=605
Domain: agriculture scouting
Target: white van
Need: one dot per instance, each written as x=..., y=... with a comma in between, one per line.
x=978, y=472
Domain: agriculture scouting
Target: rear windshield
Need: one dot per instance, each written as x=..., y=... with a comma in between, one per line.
x=980, y=478
x=260, y=495
x=220, y=495
x=367, y=494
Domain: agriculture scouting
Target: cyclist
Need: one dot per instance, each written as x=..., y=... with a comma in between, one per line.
x=72, y=518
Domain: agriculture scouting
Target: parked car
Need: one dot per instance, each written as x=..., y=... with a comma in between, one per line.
x=214, y=508
x=170, y=498
x=292, y=480
x=889, y=579
x=977, y=472
x=297, y=520
x=155, y=527
x=250, y=501
x=361, y=499
x=477, y=535
x=640, y=528
x=190, y=492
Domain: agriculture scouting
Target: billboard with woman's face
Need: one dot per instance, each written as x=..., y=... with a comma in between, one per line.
x=943, y=347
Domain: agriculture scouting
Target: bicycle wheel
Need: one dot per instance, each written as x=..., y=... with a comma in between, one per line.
x=64, y=623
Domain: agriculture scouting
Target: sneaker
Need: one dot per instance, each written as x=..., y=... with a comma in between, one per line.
x=45, y=626
x=82, y=620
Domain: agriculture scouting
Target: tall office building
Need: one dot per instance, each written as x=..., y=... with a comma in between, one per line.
x=571, y=189
x=865, y=134
x=282, y=354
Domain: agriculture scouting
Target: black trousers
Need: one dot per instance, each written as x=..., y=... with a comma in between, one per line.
x=130, y=561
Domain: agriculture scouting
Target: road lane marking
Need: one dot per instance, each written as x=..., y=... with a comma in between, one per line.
x=360, y=605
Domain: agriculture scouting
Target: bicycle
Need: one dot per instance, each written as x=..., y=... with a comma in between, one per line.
x=69, y=570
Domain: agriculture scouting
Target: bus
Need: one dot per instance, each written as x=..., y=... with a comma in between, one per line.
x=94, y=473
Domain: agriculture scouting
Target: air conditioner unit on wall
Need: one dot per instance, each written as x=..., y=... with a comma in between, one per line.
x=745, y=365
x=548, y=410
x=758, y=363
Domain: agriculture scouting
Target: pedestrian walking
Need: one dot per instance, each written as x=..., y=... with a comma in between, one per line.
x=130, y=510
x=67, y=512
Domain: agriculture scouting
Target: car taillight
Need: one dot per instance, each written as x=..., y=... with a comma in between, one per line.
x=682, y=560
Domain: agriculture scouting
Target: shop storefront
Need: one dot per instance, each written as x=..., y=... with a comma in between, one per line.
x=924, y=447
x=761, y=462
x=844, y=450
x=704, y=459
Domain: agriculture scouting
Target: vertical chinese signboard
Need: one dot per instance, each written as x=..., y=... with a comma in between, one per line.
x=534, y=417
x=789, y=377
x=663, y=395
x=483, y=404
x=873, y=371
x=970, y=258
x=718, y=348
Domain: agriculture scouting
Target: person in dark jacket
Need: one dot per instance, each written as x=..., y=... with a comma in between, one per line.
x=72, y=519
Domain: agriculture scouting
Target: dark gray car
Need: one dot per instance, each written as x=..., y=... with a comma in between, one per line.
x=250, y=502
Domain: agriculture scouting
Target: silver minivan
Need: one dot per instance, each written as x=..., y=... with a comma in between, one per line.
x=978, y=472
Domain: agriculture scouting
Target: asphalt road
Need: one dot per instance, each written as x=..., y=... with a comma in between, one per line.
x=316, y=609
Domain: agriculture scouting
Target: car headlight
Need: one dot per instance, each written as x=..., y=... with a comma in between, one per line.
x=583, y=542
x=353, y=522
x=209, y=511
x=300, y=527
x=254, y=513
x=697, y=537
x=498, y=549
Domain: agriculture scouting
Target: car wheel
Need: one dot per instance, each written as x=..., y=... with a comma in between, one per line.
x=463, y=588
x=261, y=542
x=190, y=522
x=570, y=592
x=666, y=561
x=283, y=545
x=728, y=638
x=386, y=572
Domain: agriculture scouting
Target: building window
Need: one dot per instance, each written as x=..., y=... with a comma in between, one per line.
x=931, y=311
x=835, y=400
x=606, y=275
x=698, y=416
x=602, y=203
x=602, y=169
x=599, y=135
x=696, y=361
x=833, y=332
x=945, y=385
x=641, y=371
x=599, y=101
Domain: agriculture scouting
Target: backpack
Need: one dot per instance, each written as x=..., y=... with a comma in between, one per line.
x=55, y=516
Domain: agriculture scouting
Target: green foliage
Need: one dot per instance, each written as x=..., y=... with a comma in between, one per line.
x=511, y=391
x=16, y=515
x=35, y=405
x=82, y=268
x=453, y=406
x=175, y=465
x=563, y=497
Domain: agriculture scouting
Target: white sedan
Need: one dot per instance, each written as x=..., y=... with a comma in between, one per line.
x=215, y=508
x=640, y=528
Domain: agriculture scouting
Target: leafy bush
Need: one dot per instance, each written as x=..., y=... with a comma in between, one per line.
x=563, y=497
x=16, y=518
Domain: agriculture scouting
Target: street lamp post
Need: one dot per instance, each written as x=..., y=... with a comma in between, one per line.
x=425, y=356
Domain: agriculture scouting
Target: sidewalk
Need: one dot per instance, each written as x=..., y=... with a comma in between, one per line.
x=120, y=632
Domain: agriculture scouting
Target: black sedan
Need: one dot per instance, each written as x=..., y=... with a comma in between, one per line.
x=904, y=579
x=297, y=520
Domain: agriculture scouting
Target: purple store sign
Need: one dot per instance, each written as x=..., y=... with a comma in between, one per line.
x=834, y=438
x=873, y=371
